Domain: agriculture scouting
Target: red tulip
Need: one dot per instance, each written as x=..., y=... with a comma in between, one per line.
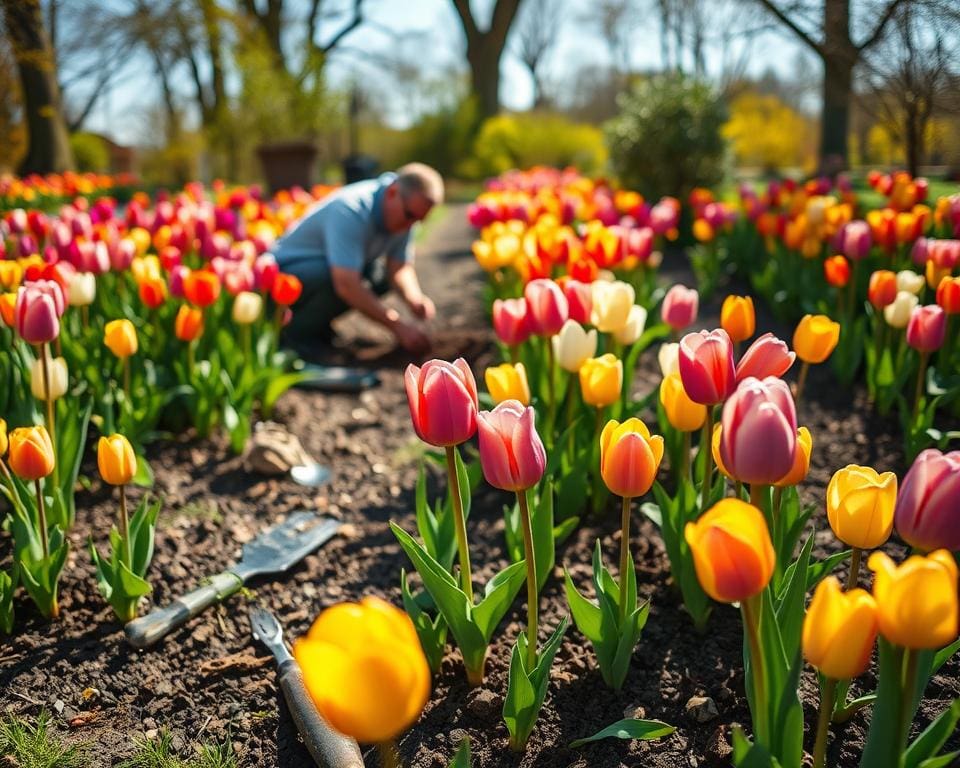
x=547, y=307
x=706, y=366
x=511, y=452
x=758, y=440
x=201, y=287
x=510, y=321
x=948, y=295
x=837, y=271
x=265, y=271
x=153, y=292
x=580, y=300
x=443, y=401
x=286, y=289
x=927, y=328
x=767, y=356
x=680, y=305
x=927, y=514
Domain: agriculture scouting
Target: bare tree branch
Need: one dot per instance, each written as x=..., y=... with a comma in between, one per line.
x=788, y=22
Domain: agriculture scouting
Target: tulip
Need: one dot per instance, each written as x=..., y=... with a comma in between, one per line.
x=948, y=295
x=81, y=289
x=926, y=328
x=3, y=438
x=897, y=314
x=883, y=288
x=56, y=373
x=839, y=630
x=669, y=358
x=510, y=321
x=579, y=299
x=633, y=328
x=629, y=457
x=910, y=281
x=815, y=338
x=715, y=452
x=286, y=289
x=443, y=401
x=8, y=307
x=732, y=552
x=31, y=453
x=201, y=287
x=601, y=379
x=801, y=460
x=37, y=313
x=738, y=318
x=759, y=439
x=116, y=460
x=936, y=274
x=153, y=292
x=120, y=336
x=188, y=324
x=917, y=600
x=855, y=240
x=547, y=306
x=364, y=669
x=11, y=273
x=836, y=270
x=927, y=513
x=683, y=413
x=508, y=382
x=611, y=305
x=247, y=308
x=860, y=503
x=573, y=346
x=679, y=309
x=706, y=366
x=511, y=452
x=767, y=356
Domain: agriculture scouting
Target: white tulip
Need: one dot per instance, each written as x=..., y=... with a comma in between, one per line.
x=573, y=346
x=636, y=322
x=910, y=281
x=82, y=289
x=59, y=380
x=247, y=307
x=898, y=313
x=611, y=305
x=669, y=358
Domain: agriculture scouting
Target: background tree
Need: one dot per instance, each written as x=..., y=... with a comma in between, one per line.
x=537, y=33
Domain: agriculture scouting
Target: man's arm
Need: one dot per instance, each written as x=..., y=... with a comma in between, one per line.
x=404, y=278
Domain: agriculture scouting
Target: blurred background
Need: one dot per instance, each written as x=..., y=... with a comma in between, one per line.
x=662, y=94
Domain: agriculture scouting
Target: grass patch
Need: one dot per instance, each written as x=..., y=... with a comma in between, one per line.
x=156, y=753
x=33, y=745
x=202, y=509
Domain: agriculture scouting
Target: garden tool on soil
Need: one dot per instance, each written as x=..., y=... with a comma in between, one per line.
x=273, y=551
x=329, y=748
x=274, y=451
x=336, y=378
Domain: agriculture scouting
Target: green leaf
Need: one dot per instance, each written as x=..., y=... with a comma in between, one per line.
x=499, y=594
x=928, y=743
x=749, y=755
x=629, y=729
x=462, y=758
x=562, y=531
x=586, y=615
x=789, y=607
x=943, y=656
x=432, y=632
x=943, y=761
x=883, y=737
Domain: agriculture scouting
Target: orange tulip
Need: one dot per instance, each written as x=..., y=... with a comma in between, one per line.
x=8, y=304
x=116, y=460
x=286, y=289
x=120, y=337
x=883, y=288
x=837, y=271
x=629, y=457
x=201, y=287
x=948, y=295
x=738, y=318
x=31, y=453
x=188, y=324
x=153, y=292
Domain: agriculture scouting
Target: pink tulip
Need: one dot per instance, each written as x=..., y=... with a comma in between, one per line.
x=759, y=436
x=920, y=251
x=547, y=307
x=580, y=300
x=177, y=275
x=122, y=256
x=927, y=514
x=855, y=240
x=706, y=366
x=443, y=401
x=36, y=314
x=679, y=309
x=767, y=356
x=511, y=452
x=510, y=321
x=927, y=328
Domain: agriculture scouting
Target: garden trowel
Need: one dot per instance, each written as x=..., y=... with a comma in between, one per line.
x=273, y=551
x=328, y=748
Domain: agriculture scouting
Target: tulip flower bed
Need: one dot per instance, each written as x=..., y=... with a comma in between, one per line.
x=48, y=192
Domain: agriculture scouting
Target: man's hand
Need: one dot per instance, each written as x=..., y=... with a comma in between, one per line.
x=423, y=308
x=411, y=338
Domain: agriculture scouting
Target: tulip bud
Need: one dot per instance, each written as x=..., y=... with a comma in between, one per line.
x=443, y=401
x=767, y=356
x=629, y=457
x=3, y=437
x=801, y=460
x=738, y=318
x=759, y=439
x=948, y=295
x=898, y=313
x=31, y=453
x=247, y=307
x=669, y=358
x=201, y=287
x=8, y=306
x=153, y=291
x=11, y=273
x=732, y=552
x=611, y=305
x=579, y=299
x=860, y=504
x=682, y=412
x=188, y=324
x=839, y=630
x=511, y=453
x=910, y=281
x=116, y=460
x=883, y=288
x=510, y=321
x=633, y=328
x=547, y=307
x=573, y=346
x=120, y=337
x=706, y=366
x=601, y=379
x=81, y=289
x=508, y=382
x=917, y=600
x=37, y=312
x=680, y=305
x=286, y=289
x=836, y=270
x=59, y=380
x=927, y=328
x=927, y=512
x=815, y=338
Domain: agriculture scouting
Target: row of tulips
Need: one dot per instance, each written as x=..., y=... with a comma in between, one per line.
x=55, y=188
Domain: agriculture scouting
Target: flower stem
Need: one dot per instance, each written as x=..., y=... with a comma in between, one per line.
x=706, y=444
x=823, y=722
x=51, y=410
x=854, y=574
x=126, y=378
x=389, y=755
x=624, y=555
x=907, y=686
x=42, y=519
x=750, y=608
x=125, y=528
x=921, y=375
x=532, y=591
x=801, y=380
x=571, y=402
x=684, y=459
x=551, y=390
x=460, y=524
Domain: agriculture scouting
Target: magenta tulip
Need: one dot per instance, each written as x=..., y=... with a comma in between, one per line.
x=510, y=321
x=706, y=366
x=547, y=307
x=855, y=240
x=767, y=356
x=37, y=313
x=680, y=305
x=759, y=437
x=927, y=514
x=443, y=401
x=927, y=328
x=579, y=299
x=511, y=452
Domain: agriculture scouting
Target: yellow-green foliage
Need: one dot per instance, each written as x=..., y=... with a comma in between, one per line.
x=90, y=152
x=537, y=138
x=764, y=132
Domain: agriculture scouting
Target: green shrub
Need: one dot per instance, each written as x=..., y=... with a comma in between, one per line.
x=442, y=139
x=667, y=137
x=537, y=138
x=90, y=152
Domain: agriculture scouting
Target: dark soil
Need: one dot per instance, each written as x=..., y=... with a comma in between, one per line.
x=210, y=680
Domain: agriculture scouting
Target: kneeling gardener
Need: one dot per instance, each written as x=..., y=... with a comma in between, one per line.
x=353, y=246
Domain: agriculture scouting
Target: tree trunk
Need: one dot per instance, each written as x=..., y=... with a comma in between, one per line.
x=484, y=62
x=48, y=144
x=837, y=92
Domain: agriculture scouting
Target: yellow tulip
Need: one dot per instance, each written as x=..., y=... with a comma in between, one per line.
x=57, y=372
x=860, y=504
x=601, y=379
x=815, y=338
x=141, y=239
x=839, y=630
x=364, y=669
x=917, y=600
x=508, y=382
x=682, y=412
x=715, y=450
x=31, y=453
x=801, y=460
x=116, y=460
x=3, y=437
x=611, y=303
x=121, y=338
x=738, y=317
x=935, y=274
x=11, y=273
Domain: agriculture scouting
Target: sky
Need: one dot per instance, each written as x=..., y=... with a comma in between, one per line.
x=427, y=33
